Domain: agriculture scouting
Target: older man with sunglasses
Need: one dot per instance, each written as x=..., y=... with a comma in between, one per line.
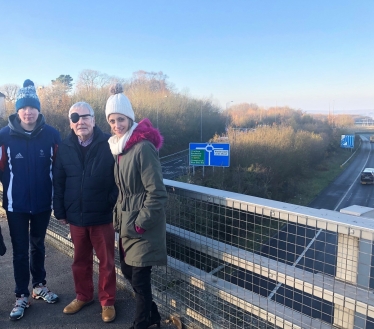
x=84, y=195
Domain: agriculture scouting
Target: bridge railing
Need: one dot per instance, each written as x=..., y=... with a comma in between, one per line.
x=237, y=261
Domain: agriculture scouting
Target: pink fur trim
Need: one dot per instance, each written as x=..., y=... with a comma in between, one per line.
x=145, y=131
x=139, y=229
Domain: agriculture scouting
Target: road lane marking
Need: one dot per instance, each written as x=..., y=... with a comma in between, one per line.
x=320, y=230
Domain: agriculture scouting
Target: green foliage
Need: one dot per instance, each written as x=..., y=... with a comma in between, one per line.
x=65, y=80
x=314, y=181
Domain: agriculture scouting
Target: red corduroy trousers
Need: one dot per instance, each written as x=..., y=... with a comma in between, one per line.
x=101, y=239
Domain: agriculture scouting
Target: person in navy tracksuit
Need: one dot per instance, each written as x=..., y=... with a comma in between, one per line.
x=27, y=150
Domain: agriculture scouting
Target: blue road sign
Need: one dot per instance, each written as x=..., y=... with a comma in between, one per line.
x=210, y=154
x=347, y=141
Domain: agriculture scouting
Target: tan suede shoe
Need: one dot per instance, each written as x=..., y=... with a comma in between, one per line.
x=75, y=306
x=108, y=314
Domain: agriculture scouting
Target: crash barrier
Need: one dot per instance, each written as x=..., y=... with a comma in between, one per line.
x=177, y=155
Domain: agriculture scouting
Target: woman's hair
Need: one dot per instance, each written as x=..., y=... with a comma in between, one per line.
x=82, y=105
x=131, y=122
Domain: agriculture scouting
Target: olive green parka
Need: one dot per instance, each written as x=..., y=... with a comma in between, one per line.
x=142, y=198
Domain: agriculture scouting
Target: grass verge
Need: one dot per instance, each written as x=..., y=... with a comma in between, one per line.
x=318, y=179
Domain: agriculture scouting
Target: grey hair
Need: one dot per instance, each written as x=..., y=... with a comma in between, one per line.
x=82, y=105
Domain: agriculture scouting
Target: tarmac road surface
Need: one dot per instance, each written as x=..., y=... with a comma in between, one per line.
x=41, y=315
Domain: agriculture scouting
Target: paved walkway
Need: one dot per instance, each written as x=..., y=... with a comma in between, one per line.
x=41, y=315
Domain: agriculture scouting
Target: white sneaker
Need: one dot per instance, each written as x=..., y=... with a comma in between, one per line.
x=41, y=291
x=19, y=308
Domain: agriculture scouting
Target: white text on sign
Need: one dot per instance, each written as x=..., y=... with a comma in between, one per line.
x=221, y=153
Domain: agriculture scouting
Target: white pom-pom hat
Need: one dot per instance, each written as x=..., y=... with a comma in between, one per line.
x=118, y=103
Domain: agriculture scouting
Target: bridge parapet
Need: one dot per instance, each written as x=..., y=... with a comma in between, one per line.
x=237, y=261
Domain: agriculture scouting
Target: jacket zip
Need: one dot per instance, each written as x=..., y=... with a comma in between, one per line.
x=118, y=177
x=81, y=207
x=83, y=173
x=28, y=171
x=93, y=144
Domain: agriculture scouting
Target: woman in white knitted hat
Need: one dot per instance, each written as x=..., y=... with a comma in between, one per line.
x=139, y=213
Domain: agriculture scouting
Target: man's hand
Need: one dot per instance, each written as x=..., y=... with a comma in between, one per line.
x=63, y=221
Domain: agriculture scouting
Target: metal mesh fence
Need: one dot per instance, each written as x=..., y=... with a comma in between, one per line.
x=240, y=262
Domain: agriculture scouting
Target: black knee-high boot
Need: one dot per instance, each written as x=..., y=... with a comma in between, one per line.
x=140, y=280
x=155, y=317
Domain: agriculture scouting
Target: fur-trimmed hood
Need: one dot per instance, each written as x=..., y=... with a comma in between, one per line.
x=145, y=131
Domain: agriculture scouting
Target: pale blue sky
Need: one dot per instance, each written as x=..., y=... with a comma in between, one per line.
x=309, y=55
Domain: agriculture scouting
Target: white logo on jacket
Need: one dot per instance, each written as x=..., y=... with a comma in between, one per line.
x=19, y=156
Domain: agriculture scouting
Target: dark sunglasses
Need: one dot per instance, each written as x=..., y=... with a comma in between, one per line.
x=74, y=117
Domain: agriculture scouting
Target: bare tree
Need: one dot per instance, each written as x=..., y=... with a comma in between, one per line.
x=55, y=104
x=113, y=79
x=10, y=91
x=86, y=79
x=90, y=80
x=155, y=82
